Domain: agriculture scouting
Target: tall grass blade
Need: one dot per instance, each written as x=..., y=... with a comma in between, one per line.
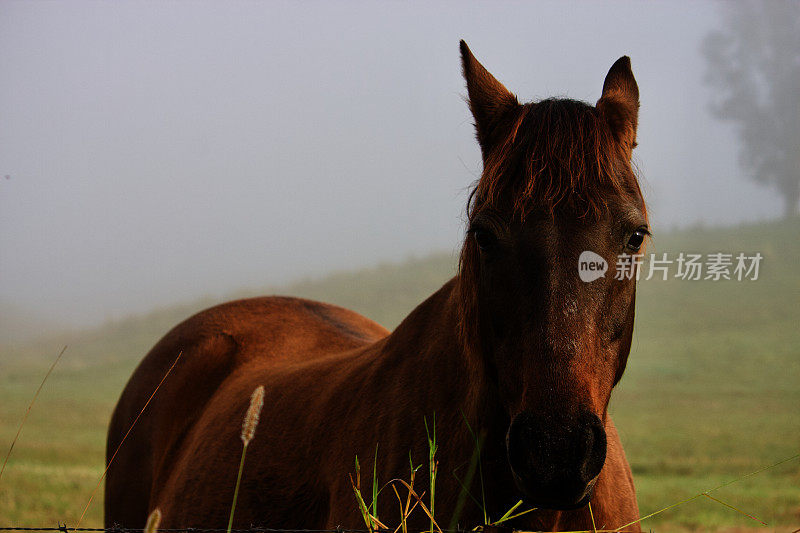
x=705, y=492
x=375, y=484
x=370, y=520
x=432, y=467
x=513, y=516
x=478, y=443
x=465, y=492
x=507, y=514
x=358, y=474
x=362, y=505
x=30, y=406
x=420, y=502
x=236, y=490
x=510, y=516
x=413, y=477
x=111, y=461
x=734, y=508
x=402, y=511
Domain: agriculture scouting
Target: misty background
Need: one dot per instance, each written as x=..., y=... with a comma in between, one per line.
x=153, y=153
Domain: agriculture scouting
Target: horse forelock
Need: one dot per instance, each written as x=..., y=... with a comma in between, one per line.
x=555, y=153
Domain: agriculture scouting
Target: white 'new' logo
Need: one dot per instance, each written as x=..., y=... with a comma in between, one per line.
x=591, y=266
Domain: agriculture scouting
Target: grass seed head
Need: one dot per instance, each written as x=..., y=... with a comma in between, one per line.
x=153, y=521
x=253, y=413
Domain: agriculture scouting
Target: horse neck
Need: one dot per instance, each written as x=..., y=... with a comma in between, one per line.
x=429, y=371
x=427, y=354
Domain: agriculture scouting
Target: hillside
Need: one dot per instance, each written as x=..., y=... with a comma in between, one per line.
x=710, y=392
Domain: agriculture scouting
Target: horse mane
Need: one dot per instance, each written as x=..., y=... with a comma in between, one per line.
x=557, y=154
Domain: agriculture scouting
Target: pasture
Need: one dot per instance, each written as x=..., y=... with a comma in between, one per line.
x=710, y=394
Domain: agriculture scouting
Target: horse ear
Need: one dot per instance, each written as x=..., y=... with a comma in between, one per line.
x=489, y=100
x=619, y=103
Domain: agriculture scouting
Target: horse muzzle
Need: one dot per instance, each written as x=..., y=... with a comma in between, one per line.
x=556, y=460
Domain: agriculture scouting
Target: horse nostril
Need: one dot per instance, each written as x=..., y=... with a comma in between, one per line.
x=518, y=438
x=556, y=458
x=596, y=451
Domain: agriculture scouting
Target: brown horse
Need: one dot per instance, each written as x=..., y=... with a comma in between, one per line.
x=515, y=345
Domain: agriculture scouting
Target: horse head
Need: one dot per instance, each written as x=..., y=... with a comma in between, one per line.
x=557, y=194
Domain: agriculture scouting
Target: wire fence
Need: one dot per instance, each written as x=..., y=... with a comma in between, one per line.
x=65, y=529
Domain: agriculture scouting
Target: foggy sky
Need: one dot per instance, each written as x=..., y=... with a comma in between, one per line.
x=161, y=151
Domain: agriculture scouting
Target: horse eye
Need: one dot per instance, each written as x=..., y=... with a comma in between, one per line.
x=483, y=238
x=636, y=239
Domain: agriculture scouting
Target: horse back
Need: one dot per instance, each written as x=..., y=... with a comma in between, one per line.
x=209, y=347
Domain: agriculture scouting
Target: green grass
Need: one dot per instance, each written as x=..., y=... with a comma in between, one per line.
x=711, y=392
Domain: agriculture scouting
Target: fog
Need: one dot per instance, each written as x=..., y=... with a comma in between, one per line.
x=153, y=153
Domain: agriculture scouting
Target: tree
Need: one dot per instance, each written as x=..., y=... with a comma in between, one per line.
x=753, y=64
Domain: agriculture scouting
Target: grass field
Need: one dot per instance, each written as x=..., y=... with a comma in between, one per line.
x=712, y=390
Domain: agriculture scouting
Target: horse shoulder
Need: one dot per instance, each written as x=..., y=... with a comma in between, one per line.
x=206, y=350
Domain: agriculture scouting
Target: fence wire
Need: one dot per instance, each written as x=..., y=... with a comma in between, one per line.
x=65, y=529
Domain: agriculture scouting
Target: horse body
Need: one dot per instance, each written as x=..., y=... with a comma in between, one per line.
x=513, y=345
x=336, y=383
